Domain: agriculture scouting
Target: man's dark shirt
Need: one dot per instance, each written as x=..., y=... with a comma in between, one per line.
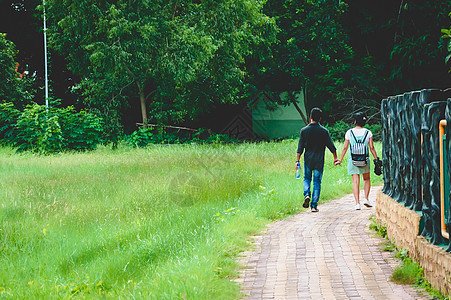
x=314, y=139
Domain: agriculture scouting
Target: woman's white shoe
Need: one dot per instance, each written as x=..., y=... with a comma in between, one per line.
x=367, y=203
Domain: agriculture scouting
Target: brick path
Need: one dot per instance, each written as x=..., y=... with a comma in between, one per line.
x=326, y=255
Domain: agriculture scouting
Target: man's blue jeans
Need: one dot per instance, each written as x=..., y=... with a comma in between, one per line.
x=317, y=176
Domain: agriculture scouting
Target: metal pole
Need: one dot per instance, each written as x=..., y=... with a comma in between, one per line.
x=45, y=62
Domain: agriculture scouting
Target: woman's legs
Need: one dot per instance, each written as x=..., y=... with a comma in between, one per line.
x=366, y=184
x=356, y=187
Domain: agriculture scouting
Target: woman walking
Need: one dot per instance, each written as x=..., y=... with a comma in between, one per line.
x=359, y=139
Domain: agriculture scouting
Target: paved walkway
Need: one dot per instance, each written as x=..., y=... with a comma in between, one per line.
x=326, y=255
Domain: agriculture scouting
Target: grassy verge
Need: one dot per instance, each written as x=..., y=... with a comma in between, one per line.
x=408, y=271
x=164, y=222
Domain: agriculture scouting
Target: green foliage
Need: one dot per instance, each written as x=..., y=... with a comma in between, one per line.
x=376, y=130
x=397, y=34
x=141, y=137
x=389, y=246
x=407, y=273
x=155, y=135
x=145, y=136
x=338, y=130
x=80, y=130
x=447, y=35
x=176, y=57
x=415, y=35
x=380, y=229
x=313, y=53
x=38, y=131
x=49, y=131
x=348, y=55
x=8, y=119
x=8, y=76
x=180, y=58
x=12, y=87
x=422, y=283
x=217, y=138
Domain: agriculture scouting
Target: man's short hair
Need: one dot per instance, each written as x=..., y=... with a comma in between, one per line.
x=316, y=114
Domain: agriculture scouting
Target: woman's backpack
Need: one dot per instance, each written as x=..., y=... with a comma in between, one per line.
x=359, y=151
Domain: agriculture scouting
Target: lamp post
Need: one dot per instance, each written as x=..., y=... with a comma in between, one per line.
x=45, y=62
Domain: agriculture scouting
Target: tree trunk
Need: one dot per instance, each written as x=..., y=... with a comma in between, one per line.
x=142, y=100
x=293, y=100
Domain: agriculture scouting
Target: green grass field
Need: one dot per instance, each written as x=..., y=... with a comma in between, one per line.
x=165, y=222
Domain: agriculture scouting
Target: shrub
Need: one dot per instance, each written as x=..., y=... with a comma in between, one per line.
x=220, y=139
x=156, y=135
x=38, y=130
x=407, y=273
x=8, y=120
x=49, y=131
x=81, y=130
x=338, y=130
x=380, y=229
x=141, y=137
x=376, y=129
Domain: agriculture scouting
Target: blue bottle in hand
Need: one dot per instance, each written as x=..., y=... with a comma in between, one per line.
x=298, y=171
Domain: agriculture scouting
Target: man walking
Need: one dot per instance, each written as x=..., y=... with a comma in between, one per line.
x=314, y=139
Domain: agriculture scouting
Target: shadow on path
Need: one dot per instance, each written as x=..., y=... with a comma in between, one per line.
x=326, y=255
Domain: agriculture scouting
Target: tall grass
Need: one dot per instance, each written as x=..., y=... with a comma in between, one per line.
x=164, y=222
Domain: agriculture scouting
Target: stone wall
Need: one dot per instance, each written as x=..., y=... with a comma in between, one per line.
x=403, y=229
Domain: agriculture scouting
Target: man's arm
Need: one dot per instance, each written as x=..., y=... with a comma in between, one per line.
x=300, y=148
x=330, y=145
x=335, y=157
x=298, y=157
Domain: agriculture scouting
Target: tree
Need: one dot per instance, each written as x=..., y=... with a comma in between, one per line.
x=447, y=35
x=175, y=57
x=312, y=52
x=418, y=51
x=18, y=20
x=403, y=38
x=351, y=54
x=13, y=86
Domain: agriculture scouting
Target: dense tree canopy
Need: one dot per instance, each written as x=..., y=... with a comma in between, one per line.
x=174, y=58
x=8, y=76
x=347, y=55
x=447, y=36
x=14, y=87
x=312, y=53
x=403, y=38
x=173, y=61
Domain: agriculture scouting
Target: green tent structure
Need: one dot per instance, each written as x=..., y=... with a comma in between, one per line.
x=278, y=121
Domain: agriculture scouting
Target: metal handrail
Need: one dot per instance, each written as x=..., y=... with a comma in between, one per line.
x=442, y=132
